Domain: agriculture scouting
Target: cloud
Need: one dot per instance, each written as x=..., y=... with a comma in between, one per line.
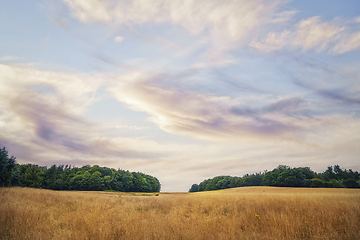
x=118, y=39
x=130, y=127
x=10, y=59
x=284, y=105
x=42, y=122
x=205, y=116
x=48, y=120
x=284, y=16
x=339, y=95
x=42, y=111
x=273, y=41
x=230, y=19
x=349, y=43
x=312, y=33
x=46, y=105
x=73, y=91
x=347, y=96
x=336, y=37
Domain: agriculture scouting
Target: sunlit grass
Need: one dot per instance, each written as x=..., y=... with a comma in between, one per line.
x=242, y=213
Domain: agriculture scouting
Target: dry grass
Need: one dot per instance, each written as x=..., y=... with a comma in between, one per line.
x=242, y=213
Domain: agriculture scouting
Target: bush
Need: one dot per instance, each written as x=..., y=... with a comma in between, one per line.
x=335, y=184
x=194, y=188
x=350, y=183
x=316, y=182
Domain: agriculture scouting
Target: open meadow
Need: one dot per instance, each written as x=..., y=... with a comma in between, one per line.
x=240, y=213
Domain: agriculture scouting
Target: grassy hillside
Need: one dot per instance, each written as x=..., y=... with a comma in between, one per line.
x=239, y=213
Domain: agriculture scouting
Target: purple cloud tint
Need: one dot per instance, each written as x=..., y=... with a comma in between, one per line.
x=342, y=95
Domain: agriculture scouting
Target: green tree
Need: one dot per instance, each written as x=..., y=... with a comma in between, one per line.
x=16, y=176
x=7, y=164
x=316, y=182
x=253, y=179
x=194, y=188
x=32, y=175
x=85, y=181
x=58, y=184
x=329, y=174
x=96, y=182
x=139, y=183
x=339, y=173
x=127, y=179
x=333, y=183
x=350, y=183
x=107, y=183
x=222, y=184
x=117, y=182
x=85, y=178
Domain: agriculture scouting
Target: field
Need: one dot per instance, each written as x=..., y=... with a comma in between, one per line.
x=240, y=213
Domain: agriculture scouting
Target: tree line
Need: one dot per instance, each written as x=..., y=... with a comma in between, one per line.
x=86, y=178
x=284, y=176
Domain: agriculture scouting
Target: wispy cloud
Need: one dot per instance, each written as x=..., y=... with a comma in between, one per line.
x=51, y=115
x=11, y=59
x=130, y=127
x=206, y=116
x=345, y=95
x=312, y=33
x=232, y=19
x=349, y=43
x=118, y=39
x=336, y=37
x=44, y=110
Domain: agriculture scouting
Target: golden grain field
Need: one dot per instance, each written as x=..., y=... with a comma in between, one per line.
x=240, y=213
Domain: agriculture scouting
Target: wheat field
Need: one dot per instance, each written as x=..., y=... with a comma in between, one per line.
x=240, y=213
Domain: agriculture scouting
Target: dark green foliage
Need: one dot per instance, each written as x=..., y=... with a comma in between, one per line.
x=329, y=174
x=350, y=183
x=31, y=175
x=316, y=182
x=194, y=188
x=7, y=165
x=333, y=183
x=86, y=178
x=222, y=182
x=284, y=176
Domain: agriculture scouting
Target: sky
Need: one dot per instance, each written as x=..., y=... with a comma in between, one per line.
x=181, y=90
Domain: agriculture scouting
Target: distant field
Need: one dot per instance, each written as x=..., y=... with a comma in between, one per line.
x=240, y=213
